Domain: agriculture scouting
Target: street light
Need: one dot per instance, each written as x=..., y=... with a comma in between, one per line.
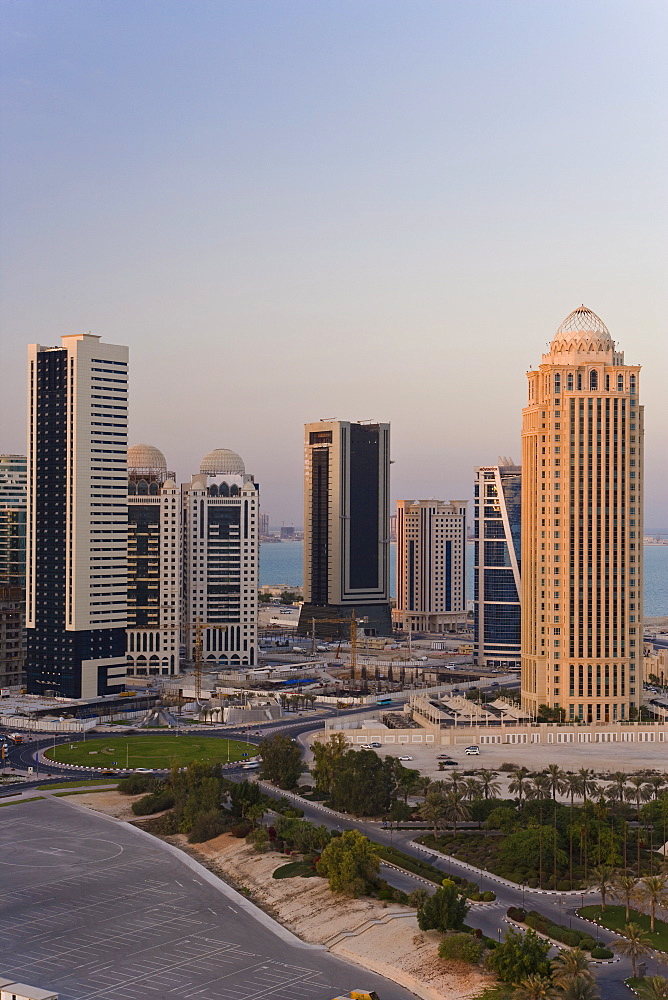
x=499, y=934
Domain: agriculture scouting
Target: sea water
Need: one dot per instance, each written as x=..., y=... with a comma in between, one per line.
x=281, y=562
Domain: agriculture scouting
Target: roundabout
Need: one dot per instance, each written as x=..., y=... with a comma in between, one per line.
x=159, y=751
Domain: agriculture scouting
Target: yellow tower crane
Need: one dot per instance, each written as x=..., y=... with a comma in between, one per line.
x=199, y=627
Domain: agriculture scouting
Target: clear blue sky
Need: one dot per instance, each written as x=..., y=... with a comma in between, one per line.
x=292, y=210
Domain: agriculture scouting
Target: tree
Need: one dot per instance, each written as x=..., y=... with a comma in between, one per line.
x=588, y=784
x=473, y=789
x=602, y=878
x=519, y=783
x=639, y=792
x=454, y=809
x=327, y=757
x=243, y=796
x=408, y=782
x=489, y=783
x=579, y=989
x=653, y=891
x=534, y=988
x=652, y=988
x=444, y=911
x=633, y=945
x=255, y=813
x=624, y=887
x=520, y=956
x=281, y=760
x=570, y=964
x=432, y=809
x=363, y=784
x=555, y=778
x=288, y=597
x=350, y=862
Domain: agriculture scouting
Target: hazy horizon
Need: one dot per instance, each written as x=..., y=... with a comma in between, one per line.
x=291, y=211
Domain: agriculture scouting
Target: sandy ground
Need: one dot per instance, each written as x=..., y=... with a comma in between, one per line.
x=396, y=948
x=111, y=803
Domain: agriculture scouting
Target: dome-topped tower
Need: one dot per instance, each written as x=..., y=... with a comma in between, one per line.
x=582, y=331
x=222, y=462
x=146, y=458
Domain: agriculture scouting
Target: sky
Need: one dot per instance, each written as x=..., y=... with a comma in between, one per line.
x=292, y=210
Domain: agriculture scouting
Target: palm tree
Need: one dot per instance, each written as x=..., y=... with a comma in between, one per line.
x=534, y=988
x=455, y=811
x=602, y=878
x=457, y=781
x=639, y=792
x=633, y=945
x=255, y=813
x=652, y=988
x=519, y=783
x=425, y=782
x=573, y=786
x=539, y=788
x=653, y=890
x=432, y=809
x=589, y=786
x=618, y=781
x=473, y=789
x=657, y=781
x=578, y=989
x=556, y=778
x=488, y=783
x=570, y=963
x=624, y=887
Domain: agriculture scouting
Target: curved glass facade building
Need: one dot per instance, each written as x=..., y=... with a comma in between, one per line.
x=496, y=596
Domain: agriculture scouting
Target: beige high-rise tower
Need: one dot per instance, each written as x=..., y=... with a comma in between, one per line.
x=582, y=469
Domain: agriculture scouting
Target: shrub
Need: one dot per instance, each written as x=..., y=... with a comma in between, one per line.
x=207, y=825
x=259, y=839
x=462, y=947
x=161, y=826
x=136, y=784
x=488, y=896
x=241, y=829
x=509, y=767
x=601, y=952
x=153, y=802
x=517, y=913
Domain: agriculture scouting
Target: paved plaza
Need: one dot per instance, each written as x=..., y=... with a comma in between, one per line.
x=94, y=909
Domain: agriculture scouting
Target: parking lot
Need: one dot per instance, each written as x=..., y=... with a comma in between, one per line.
x=93, y=909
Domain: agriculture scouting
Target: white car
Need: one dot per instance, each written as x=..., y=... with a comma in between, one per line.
x=472, y=750
x=405, y=758
x=365, y=746
x=143, y=770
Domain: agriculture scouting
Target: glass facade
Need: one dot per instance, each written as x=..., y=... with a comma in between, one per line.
x=496, y=529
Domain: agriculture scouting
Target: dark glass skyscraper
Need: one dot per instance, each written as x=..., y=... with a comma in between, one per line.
x=346, y=527
x=497, y=522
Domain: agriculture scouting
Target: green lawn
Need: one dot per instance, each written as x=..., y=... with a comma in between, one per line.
x=614, y=918
x=295, y=869
x=152, y=750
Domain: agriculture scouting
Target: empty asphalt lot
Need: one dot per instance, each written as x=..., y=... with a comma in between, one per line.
x=93, y=909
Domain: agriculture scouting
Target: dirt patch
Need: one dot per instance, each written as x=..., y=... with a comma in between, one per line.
x=111, y=803
x=394, y=948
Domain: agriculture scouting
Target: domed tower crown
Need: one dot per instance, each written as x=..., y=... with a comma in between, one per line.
x=146, y=458
x=582, y=332
x=222, y=462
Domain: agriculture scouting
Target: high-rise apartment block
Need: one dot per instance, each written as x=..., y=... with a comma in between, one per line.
x=154, y=564
x=496, y=588
x=76, y=601
x=346, y=527
x=13, y=501
x=220, y=510
x=582, y=529
x=431, y=565
x=264, y=524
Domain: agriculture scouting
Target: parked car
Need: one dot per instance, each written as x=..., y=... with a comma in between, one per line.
x=472, y=750
x=447, y=762
x=405, y=758
x=375, y=745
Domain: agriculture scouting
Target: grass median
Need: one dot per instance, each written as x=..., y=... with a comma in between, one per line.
x=152, y=751
x=614, y=918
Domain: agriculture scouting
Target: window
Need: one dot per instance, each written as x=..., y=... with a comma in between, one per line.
x=593, y=380
x=620, y=383
x=557, y=383
x=569, y=381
